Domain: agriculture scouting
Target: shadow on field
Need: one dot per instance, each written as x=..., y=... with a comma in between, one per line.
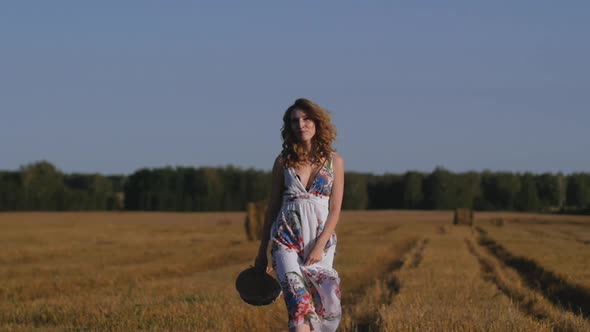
x=559, y=291
x=379, y=290
x=572, y=236
x=550, y=222
x=489, y=273
x=418, y=254
x=369, y=321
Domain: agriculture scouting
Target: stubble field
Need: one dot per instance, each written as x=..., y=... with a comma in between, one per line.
x=400, y=270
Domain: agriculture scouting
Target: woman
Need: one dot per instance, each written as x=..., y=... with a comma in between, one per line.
x=304, y=207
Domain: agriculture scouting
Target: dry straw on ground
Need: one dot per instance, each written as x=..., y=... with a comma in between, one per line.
x=400, y=271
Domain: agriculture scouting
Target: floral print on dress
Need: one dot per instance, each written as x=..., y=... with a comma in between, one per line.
x=299, y=300
x=311, y=292
x=289, y=232
x=322, y=184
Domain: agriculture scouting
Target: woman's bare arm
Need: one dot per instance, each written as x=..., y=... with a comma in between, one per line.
x=274, y=205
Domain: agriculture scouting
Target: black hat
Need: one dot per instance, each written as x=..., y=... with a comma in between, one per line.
x=256, y=287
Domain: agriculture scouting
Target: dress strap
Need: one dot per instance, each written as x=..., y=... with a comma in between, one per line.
x=331, y=162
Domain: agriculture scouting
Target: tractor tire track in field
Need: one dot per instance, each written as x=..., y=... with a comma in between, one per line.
x=491, y=273
x=567, y=235
x=370, y=232
x=537, y=233
x=418, y=254
x=551, y=222
x=562, y=293
x=570, y=235
x=363, y=303
x=388, y=229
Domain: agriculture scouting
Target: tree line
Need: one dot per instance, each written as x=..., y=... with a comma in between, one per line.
x=41, y=186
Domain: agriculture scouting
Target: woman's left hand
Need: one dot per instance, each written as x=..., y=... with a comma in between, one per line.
x=315, y=255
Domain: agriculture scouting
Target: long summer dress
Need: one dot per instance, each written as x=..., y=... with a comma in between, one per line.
x=312, y=292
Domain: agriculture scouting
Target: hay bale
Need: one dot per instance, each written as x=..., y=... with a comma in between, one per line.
x=463, y=217
x=255, y=213
x=120, y=200
x=499, y=222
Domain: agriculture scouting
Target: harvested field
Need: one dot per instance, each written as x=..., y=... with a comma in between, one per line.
x=400, y=271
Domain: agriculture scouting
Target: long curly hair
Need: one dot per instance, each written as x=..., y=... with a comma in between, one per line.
x=325, y=134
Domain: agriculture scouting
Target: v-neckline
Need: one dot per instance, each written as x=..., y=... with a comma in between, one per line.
x=314, y=178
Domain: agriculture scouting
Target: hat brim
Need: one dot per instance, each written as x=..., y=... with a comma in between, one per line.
x=257, y=287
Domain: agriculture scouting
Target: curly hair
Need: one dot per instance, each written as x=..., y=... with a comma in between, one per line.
x=325, y=134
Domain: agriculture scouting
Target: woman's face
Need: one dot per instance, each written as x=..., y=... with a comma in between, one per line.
x=302, y=125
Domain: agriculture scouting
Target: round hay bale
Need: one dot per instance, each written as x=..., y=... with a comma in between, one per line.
x=463, y=217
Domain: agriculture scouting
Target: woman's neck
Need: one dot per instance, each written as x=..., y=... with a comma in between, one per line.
x=307, y=148
x=309, y=155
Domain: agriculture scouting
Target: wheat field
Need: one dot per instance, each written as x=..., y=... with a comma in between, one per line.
x=400, y=271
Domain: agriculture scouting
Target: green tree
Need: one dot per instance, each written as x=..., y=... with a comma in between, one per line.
x=466, y=189
x=385, y=192
x=578, y=191
x=549, y=188
x=413, y=195
x=137, y=189
x=43, y=186
x=440, y=189
x=101, y=191
x=499, y=191
x=528, y=198
x=355, y=191
x=12, y=196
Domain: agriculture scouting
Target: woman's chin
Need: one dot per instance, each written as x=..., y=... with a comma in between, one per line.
x=304, y=139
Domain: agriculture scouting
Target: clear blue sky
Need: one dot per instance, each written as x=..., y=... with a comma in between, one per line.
x=113, y=86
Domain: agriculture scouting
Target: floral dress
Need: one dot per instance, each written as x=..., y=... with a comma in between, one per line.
x=312, y=292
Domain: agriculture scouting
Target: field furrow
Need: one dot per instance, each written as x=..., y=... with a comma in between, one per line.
x=446, y=292
x=526, y=299
x=378, y=289
x=569, y=296
x=400, y=271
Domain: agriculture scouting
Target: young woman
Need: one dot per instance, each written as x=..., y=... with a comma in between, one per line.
x=304, y=207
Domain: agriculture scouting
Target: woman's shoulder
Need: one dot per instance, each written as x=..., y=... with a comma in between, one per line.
x=279, y=162
x=337, y=158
